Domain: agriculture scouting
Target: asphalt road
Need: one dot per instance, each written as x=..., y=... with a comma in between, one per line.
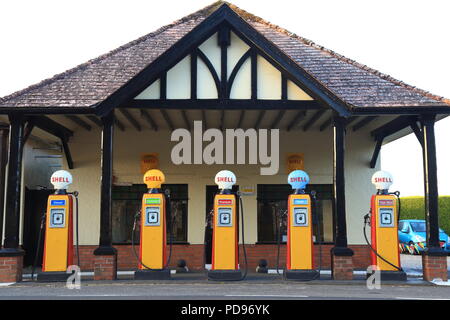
x=256, y=287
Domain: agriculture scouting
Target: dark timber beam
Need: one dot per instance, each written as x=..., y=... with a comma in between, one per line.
x=418, y=132
x=52, y=127
x=13, y=190
x=376, y=153
x=298, y=117
x=78, y=121
x=194, y=75
x=222, y=120
x=186, y=120
x=241, y=119
x=105, y=242
x=167, y=119
x=259, y=119
x=430, y=186
x=326, y=124
x=119, y=124
x=313, y=119
x=67, y=152
x=149, y=119
x=340, y=248
x=254, y=75
x=218, y=104
x=364, y=122
x=95, y=120
x=28, y=129
x=277, y=119
x=131, y=119
x=205, y=124
x=393, y=126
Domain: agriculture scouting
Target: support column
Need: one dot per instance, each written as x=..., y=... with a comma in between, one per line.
x=341, y=255
x=3, y=162
x=11, y=255
x=105, y=261
x=434, y=259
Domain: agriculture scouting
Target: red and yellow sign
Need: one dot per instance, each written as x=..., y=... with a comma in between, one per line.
x=154, y=178
x=149, y=161
x=294, y=161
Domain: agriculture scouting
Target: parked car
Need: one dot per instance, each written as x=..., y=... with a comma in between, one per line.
x=412, y=237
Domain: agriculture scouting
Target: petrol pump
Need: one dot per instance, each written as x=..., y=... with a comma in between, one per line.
x=153, y=263
x=59, y=223
x=300, y=253
x=225, y=250
x=383, y=220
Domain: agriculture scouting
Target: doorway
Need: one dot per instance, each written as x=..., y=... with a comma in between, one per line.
x=211, y=191
x=35, y=207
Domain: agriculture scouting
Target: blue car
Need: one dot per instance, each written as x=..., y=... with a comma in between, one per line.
x=412, y=237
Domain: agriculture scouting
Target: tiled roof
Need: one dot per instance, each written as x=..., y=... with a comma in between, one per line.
x=90, y=83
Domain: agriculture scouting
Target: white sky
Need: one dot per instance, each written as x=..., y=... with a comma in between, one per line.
x=405, y=39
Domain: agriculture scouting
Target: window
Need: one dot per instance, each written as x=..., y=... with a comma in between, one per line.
x=126, y=202
x=272, y=199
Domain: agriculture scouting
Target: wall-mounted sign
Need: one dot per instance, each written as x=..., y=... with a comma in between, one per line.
x=247, y=190
x=149, y=161
x=294, y=161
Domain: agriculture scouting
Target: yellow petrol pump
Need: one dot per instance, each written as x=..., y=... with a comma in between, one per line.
x=59, y=222
x=383, y=220
x=225, y=252
x=300, y=253
x=153, y=263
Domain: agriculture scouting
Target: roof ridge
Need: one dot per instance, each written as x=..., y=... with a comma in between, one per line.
x=199, y=13
x=384, y=76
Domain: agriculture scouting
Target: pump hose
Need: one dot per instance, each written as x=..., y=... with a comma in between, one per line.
x=397, y=194
x=75, y=193
x=33, y=269
x=241, y=206
x=170, y=240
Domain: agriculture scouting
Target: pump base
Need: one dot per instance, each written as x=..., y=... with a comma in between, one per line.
x=53, y=276
x=152, y=274
x=302, y=275
x=391, y=275
x=225, y=275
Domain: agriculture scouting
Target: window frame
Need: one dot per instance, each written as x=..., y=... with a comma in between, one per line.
x=281, y=198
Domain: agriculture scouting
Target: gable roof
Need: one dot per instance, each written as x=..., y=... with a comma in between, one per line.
x=89, y=84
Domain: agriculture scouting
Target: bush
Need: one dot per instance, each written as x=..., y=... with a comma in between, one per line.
x=414, y=208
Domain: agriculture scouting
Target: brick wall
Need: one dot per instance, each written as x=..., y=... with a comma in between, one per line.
x=11, y=269
x=193, y=254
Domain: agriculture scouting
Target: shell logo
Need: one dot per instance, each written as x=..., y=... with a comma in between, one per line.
x=61, y=179
x=382, y=180
x=298, y=179
x=154, y=178
x=225, y=179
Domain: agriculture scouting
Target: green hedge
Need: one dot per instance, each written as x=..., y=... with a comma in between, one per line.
x=414, y=208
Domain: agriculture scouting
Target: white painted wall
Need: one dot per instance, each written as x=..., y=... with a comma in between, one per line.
x=316, y=146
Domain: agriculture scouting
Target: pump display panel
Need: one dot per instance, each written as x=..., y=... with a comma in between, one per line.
x=152, y=216
x=386, y=217
x=300, y=218
x=57, y=218
x=225, y=217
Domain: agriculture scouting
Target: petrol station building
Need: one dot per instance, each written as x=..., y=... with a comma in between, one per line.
x=114, y=117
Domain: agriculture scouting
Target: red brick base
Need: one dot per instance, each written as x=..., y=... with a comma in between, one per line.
x=342, y=267
x=434, y=267
x=193, y=254
x=105, y=267
x=11, y=269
